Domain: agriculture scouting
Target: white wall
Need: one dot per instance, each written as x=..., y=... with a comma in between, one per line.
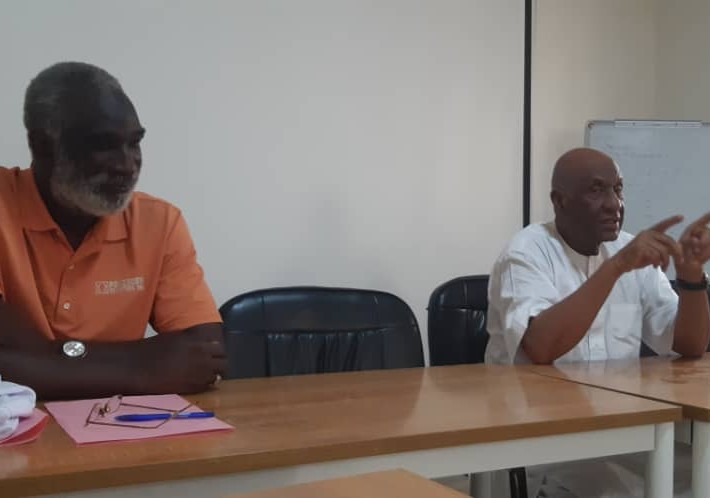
x=372, y=144
x=592, y=59
x=683, y=69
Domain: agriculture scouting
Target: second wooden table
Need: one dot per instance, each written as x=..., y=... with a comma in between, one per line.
x=681, y=382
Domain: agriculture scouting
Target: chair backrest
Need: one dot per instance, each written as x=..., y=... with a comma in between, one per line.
x=300, y=330
x=458, y=311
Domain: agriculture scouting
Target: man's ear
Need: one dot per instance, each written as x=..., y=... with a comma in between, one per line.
x=559, y=201
x=42, y=145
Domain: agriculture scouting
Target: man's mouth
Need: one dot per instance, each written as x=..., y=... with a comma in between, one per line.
x=611, y=223
x=118, y=187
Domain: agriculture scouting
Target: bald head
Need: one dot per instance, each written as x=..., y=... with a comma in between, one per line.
x=577, y=165
x=588, y=199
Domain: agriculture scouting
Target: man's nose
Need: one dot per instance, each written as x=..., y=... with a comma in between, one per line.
x=128, y=162
x=612, y=201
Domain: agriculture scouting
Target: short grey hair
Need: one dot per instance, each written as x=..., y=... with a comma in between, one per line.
x=49, y=95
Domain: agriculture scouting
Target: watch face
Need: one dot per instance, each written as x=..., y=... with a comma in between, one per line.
x=74, y=349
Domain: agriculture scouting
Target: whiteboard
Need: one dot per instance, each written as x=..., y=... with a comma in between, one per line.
x=665, y=165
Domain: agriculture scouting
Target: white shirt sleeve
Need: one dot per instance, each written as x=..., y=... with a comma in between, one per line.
x=660, y=305
x=16, y=401
x=519, y=290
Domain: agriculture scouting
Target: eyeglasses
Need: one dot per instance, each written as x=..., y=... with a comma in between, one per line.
x=100, y=410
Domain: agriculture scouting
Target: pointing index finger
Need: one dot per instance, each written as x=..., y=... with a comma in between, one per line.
x=664, y=225
x=702, y=221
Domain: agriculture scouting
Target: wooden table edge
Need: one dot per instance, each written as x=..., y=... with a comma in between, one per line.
x=688, y=411
x=224, y=465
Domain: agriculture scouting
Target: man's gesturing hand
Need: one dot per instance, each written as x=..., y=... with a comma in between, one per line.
x=695, y=243
x=651, y=247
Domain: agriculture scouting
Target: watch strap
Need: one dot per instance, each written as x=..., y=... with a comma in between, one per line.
x=693, y=286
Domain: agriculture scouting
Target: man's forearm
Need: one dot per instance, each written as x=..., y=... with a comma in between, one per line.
x=692, y=325
x=179, y=362
x=182, y=361
x=53, y=376
x=559, y=328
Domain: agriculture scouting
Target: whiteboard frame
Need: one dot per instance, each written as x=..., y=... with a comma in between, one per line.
x=639, y=122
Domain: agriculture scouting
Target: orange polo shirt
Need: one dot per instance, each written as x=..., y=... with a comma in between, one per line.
x=134, y=268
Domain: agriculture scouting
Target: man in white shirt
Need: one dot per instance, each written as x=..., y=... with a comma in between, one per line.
x=580, y=289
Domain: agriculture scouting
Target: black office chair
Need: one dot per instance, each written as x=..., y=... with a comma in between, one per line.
x=457, y=321
x=302, y=330
x=457, y=314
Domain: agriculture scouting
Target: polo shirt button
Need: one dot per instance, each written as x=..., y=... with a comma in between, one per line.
x=71, y=267
x=67, y=306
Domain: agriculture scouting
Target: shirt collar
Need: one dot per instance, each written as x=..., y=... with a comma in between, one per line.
x=36, y=217
x=113, y=228
x=585, y=264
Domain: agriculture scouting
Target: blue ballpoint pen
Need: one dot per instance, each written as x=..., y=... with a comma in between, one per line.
x=148, y=417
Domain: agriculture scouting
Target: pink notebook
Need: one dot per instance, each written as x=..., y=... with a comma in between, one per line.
x=71, y=416
x=28, y=430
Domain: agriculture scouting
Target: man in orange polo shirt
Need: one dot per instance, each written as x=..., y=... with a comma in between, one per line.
x=86, y=263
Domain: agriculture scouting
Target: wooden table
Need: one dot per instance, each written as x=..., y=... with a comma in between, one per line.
x=289, y=430
x=681, y=382
x=388, y=484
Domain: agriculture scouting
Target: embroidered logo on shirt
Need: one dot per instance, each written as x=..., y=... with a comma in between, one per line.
x=111, y=287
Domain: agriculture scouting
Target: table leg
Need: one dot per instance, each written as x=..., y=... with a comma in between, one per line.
x=659, y=469
x=701, y=459
x=481, y=484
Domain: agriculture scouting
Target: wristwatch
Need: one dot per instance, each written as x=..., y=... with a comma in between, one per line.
x=693, y=286
x=74, y=349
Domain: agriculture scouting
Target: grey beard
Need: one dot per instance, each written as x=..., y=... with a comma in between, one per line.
x=83, y=195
